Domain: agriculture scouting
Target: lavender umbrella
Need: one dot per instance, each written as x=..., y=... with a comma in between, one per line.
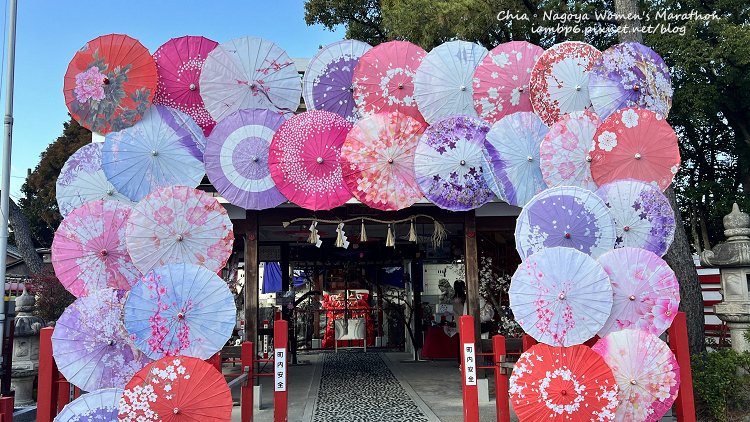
x=565, y=216
x=449, y=163
x=327, y=84
x=237, y=158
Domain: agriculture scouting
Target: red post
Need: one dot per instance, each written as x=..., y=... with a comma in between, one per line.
x=6, y=409
x=47, y=389
x=469, y=368
x=280, y=384
x=246, y=400
x=678, y=342
x=502, y=406
x=527, y=342
x=63, y=392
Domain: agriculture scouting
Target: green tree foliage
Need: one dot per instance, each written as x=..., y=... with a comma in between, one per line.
x=721, y=385
x=39, y=204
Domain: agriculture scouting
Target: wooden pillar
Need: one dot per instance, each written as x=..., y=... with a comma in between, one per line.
x=472, y=268
x=251, y=278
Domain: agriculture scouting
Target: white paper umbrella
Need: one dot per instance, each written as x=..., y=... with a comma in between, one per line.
x=249, y=72
x=565, y=159
x=443, y=83
x=100, y=405
x=560, y=296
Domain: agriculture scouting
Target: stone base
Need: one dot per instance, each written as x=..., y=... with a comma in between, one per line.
x=737, y=332
x=24, y=390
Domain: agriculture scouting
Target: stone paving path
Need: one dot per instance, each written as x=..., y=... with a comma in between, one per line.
x=357, y=386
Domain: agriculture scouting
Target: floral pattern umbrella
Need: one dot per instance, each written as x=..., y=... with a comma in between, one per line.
x=630, y=75
x=643, y=216
x=179, y=224
x=442, y=85
x=237, y=158
x=384, y=79
x=646, y=371
x=90, y=345
x=560, y=79
x=249, y=72
x=512, y=150
x=560, y=296
x=646, y=293
x=177, y=389
x=89, y=252
x=164, y=149
x=635, y=143
x=562, y=384
x=98, y=406
x=378, y=161
x=501, y=81
x=565, y=216
x=449, y=163
x=565, y=157
x=110, y=83
x=180, y=309
x=305, y=160
x=327, y=84
x=82, y=180
x=179, y=62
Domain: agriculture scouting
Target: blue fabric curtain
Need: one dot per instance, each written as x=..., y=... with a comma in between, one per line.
x=271, y=277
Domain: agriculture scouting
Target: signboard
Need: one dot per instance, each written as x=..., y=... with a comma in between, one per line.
x=470, y=365
x=279, y=373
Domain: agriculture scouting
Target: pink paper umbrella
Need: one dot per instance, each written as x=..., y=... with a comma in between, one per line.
x=305, y=160
x=501, y=81
x=89, y=252
x=384, y=79
x=178, y=64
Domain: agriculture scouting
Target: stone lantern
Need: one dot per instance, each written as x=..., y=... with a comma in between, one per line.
x=733, y=260
x=25, y=350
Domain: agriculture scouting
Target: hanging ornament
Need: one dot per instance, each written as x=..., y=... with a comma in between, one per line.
x=314, y=236
x=412, y=232
x=362, y=233
x=341, y=240
x=389, y=241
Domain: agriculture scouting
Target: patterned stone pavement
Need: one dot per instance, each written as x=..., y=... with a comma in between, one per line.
x=358, y=386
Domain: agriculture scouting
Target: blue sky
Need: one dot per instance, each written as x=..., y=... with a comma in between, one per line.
x=49, y=32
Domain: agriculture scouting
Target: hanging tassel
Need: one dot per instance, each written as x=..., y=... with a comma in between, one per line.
x=362, y=233
x=438, y=234
x=389, y=241
x=412, y=232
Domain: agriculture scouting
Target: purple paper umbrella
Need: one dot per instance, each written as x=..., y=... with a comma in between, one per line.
x=236, y=158
x=90, y=345
x=327, y=84
x=566, y=216
x=449, y=163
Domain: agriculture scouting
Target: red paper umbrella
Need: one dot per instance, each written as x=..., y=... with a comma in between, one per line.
x=563, y=384
x=176, y=389
x=635, y=143
x=110, y=83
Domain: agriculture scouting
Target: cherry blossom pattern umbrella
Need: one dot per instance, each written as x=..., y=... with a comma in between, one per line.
x=635, y=143
x=384, y=79
x=646, y=372
x=630, y=75
x=237, y=158
x=512, y=150
x=378, y=161
x=89, y=252
x=449, y=163
x=100, y=406
x=305, y=160
x=443, y=83
x=560, y=78
x=327, y=84
x=82, y=180
x=566, y=216
x=110, y=83
x=501, y=81
x=249, y=72
x=179, y=224
x=562, y=384
x=180, y=309
x=646, y=293
x=177, y=389
x=163, y=149
x=178, y=63
x=565, y=157
x=643, y=216
x=560, y=296
x=90, y=345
